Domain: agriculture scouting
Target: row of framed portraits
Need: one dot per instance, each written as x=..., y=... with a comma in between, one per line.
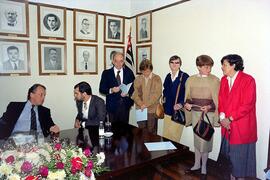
x=14, y=20
x=15, y=57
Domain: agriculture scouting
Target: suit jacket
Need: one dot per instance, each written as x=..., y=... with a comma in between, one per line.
x=96, y=112
x=240, y=103
x=12, y=114
x=108, y=80
x=7, y=65
x=110, y=35
x=143, y=34
x=48, y=65
x=149, y=94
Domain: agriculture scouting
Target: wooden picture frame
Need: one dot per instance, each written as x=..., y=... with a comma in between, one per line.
x=144, y=27
x=14, y=57
x=108, y=55
x=52, y=58
x=143, y=52
x=51, y=22
x=14, y=18
x=114, y=29
x=85, y=25
x=85, y=59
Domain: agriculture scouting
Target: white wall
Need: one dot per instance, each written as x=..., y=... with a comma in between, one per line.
x=190, y=29
x=218, y=28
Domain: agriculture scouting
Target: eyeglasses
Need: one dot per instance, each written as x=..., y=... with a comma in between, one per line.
x=175, y=62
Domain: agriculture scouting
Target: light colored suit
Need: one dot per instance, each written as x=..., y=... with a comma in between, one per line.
x=7, y=65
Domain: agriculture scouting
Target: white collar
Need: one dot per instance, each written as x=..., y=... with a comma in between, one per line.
x=176, y=75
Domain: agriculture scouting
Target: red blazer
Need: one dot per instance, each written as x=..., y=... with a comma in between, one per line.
x=240, y=103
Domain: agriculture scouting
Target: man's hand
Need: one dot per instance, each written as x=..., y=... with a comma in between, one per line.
x=77, y=124
x=54, y=129
x=188, y=106
x=123, y=94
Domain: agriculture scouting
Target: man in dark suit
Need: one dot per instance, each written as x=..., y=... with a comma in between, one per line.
x=117, y=103
x=53, y=61
x=29, y=115
x=114, y=29
x=91, y=110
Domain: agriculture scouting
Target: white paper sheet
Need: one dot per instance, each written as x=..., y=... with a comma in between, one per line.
x=141, y=115
x=159, y=146
x=125, y=88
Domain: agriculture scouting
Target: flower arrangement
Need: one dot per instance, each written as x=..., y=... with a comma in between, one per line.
x=50, y=161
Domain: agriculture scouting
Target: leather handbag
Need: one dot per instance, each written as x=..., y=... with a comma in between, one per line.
x=203, y=129
x=160, y=111
x=178, y=116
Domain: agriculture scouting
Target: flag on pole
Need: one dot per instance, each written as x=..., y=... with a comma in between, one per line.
x=129, y=55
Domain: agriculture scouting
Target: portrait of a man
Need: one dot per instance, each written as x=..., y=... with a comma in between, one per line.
x=51, y=22
x=142, y=53
x=143, y=30
x=52, y=59
x=85, y=26
x=113, y=30
x=13, y=63
x=11, y=17
x=85, y=64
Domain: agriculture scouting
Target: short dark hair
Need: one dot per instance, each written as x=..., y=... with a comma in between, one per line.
x=52, y=15
x=52, y=49
x=33, y=89
x=146, y=64
x=234, y=59
x=84, y=87
x=204, y=60
x=12, y=47
x=175, y=57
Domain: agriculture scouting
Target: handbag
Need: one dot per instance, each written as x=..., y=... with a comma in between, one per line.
x=178, y=116
x=160, y=111
x=223, y=160
x=203, y=129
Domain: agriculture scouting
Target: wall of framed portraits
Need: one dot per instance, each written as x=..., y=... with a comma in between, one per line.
x=216, y=29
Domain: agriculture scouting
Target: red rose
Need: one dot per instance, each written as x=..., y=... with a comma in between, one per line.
x=58, y=146
x=60, y=165
x=87, y=152
x=76, y=163
x=73, y=170
x=26, y=167
x=43, y=171
x=31, y=178
x=90, y=164
x=87, y=172
x=10, y=159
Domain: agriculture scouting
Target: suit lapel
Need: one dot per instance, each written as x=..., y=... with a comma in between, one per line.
x=112, y=75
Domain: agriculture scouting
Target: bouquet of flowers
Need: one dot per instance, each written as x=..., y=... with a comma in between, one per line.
x=50, y=161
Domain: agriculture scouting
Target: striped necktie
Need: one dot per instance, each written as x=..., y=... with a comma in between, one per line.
x=33, y=119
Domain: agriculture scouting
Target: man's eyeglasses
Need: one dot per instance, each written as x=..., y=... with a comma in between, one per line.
x=175, y=62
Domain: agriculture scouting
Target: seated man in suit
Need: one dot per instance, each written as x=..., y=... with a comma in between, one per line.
x=28, y=116
x=117, y=103
x=91, y=110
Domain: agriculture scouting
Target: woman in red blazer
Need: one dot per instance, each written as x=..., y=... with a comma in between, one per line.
x=237, y=110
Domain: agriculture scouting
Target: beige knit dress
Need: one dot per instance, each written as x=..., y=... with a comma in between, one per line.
x=202, y=91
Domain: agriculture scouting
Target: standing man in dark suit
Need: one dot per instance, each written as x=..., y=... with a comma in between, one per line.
x=29, y=115
x=91, y=110
x=117, y=103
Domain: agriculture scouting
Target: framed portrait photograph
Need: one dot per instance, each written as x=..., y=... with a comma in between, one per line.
x=143, y=52
x=52, y=58
x=114, y=29
x=144, y=27
x=51, y=22
x=85, y=25
x=85, y=59
x=14, y=18
x=108, y=55
x=14, y=57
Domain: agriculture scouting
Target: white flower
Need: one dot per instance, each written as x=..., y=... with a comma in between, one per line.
x=32, y=157
x=100, y=158
x=5, y=169
x=13, y=177
x=58, y=175
x=83, y=177
x=18, y=165
x=46, y=154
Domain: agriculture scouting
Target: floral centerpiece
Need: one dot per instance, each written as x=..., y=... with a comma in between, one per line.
x=50, y=161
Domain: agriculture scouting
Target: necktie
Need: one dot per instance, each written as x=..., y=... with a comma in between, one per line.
x=85, y=66
x=84, y=106
x=33, y=119
x=118, y=78
x=15, y=66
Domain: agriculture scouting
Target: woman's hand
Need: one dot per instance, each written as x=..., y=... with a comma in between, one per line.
x=226, y=123
x=205, y=109
x=177, y=106
x=188, y=106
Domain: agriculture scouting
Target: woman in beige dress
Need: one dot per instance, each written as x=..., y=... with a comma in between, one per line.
x=147, y=92
x=202, y=96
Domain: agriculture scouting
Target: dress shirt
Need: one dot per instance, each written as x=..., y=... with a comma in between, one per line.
x=85, y=110
x=13, y=64
x=147, y=78
x=24, y=122
x=176, y=75
x=121, y=73
x=53, y=63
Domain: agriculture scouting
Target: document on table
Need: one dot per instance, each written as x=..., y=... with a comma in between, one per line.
x=141, y=115
x=125, y=88
x=159, y=146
